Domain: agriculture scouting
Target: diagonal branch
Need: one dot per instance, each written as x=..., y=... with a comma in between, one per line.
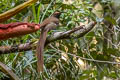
x=78, y=32
x=8, y=14
x=8, y=71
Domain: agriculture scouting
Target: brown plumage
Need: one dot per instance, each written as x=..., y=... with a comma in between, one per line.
x=46, y=25
x=54, y=18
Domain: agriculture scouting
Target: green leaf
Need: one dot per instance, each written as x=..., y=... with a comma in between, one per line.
x=110, y=19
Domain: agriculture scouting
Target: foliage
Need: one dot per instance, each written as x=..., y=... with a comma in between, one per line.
x=86, y=58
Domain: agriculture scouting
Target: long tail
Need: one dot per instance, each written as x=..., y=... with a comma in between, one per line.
x=40, y=49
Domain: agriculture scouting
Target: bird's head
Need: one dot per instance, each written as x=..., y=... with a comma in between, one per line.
x=56, y=14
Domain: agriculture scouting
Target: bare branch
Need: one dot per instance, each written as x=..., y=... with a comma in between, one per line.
x=8, y=71
x=79, y=32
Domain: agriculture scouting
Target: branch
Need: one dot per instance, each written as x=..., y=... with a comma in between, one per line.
x=17, y=29
x=8, y=71
x=8, y=14
x=78, y=32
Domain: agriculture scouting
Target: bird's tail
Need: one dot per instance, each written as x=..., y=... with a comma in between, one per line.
x=40, y=49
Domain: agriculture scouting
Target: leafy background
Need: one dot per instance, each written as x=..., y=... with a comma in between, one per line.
x=85, y=58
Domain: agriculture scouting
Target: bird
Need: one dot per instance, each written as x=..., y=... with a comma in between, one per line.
x=46, y=25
